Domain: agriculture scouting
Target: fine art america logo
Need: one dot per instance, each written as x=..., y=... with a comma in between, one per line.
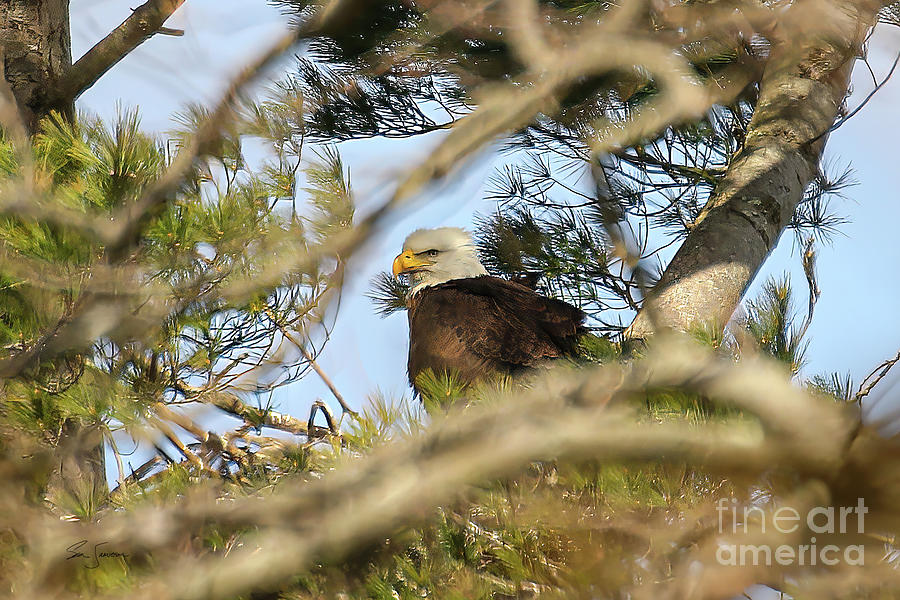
x=734, y=519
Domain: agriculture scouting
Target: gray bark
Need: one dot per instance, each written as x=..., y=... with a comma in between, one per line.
x=801, y=93
x=37, y=51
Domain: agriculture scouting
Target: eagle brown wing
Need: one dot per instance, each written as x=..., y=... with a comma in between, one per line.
x=482, y=325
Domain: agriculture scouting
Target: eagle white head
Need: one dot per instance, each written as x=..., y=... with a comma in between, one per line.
x=434, y=256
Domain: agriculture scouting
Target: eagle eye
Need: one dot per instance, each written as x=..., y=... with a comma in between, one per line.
x=432, y=252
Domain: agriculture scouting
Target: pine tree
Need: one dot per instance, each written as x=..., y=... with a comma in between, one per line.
x=141, y=273
x=137, y=283
x=593, y=203
x=173, y=275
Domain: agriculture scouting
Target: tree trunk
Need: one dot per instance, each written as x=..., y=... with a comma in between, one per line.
x=800, y=97
x=37, y=51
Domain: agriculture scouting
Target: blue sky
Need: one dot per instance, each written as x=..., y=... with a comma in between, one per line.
x=855, y=326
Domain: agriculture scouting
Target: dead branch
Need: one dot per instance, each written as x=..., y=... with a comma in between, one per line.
x=255, y=417
x=145, y=21
x=322, y=375
x=809, y=269
x=317, y=406
x=873, y=378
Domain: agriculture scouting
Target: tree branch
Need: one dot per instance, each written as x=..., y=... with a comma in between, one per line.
x=580, y=414
x=144, y=22
x=873, y=378
x=132, y=218
x=258, y=417
x=800, y=97
x=322, y=375
x=809, y=269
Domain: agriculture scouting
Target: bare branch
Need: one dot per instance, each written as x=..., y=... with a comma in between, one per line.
x=329, y=417
x=322, y=375
x=873, y=378
x=256, y=417
x=144, y=22
x=809, y=269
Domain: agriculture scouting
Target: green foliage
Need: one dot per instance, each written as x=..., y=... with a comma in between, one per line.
x=598, y=349
x=384, y=420
x=329, y=194
x=569, y=249
x=388, y=294
x=226, y=292
x=440, y=391
x=770, y=322
x=710, y=334
x=837, y=386
x=207, y=303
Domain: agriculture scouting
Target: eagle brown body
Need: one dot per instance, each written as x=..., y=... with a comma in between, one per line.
x=479, y=326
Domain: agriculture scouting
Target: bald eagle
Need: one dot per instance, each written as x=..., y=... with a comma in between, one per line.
x=464, y=321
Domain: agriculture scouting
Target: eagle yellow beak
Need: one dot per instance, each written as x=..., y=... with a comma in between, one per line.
x=407, y=263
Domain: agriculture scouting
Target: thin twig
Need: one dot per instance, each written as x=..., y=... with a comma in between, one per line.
x=253, y=417
x=871, y=94
x=139, y=473
x=175, y=441
x=181, y=420
x=312, y=362
x=809, y=269
x=873, y=378
x=329, y=417
x=120, y=468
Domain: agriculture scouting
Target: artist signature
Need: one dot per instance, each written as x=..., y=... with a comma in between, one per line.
x=78, y=549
